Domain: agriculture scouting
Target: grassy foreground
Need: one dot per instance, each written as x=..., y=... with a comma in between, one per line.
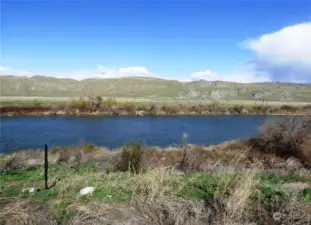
x=263, y=180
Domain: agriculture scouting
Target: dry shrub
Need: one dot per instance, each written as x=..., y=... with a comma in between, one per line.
x=153, y=109
x=197, y=109
x=172, y=109
x=238, y=203
x=26, y=212
x=285, y=136
x=183, y=107
x=236, y=109
x=64, y=154
x=306, y=149
x=280, y=209
x=193, y=158
x=86, y=216
x=24, y=160
x=261, y=109
x=306, y=107
x=215, y=107
x=288, y=108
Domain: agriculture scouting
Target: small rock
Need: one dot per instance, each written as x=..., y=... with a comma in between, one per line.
x=87, y=190
x=292, y=163
x=101, y=174
x=140, y=113
x=30, y=190
x=72, y=159
x=4, y=170
x=295, y=186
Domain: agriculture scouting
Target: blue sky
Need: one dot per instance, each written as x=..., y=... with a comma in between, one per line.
x=171, y=39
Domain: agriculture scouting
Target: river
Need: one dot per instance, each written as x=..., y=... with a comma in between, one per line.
x=33, y=132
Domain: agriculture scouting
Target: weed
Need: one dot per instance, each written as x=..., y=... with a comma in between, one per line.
x=131, y=155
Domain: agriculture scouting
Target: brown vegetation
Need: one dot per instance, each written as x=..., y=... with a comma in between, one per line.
x=98, y=106
x=286, y=137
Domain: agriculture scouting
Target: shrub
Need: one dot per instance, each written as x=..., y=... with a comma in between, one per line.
x=142, y=107
x=196, y=108
x=306, y=107
x=153, y=109
x=131, y=156
x=88, y=148
x=108, y=103
x=288, y=108
x=36, y=102
x=287, y=137
x=260, y=109
x=78, y=104
x=237, y=109
x=164, y=108
x=215, y=107
x=306, y=149
x=61, y=106
x=172, y=109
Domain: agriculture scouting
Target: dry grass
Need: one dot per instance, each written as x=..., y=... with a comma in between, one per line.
x=26, y=212
x=156, y=203
x=238, y=202
x=154, y=200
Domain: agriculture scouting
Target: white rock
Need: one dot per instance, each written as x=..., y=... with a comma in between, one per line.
x=30, y=190
x=87, y=190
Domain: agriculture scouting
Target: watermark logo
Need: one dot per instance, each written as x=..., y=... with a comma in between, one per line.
x=277, y=216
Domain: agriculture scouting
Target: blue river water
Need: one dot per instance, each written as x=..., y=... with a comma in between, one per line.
x=18, y=133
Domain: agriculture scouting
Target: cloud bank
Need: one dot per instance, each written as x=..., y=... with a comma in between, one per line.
x=285, y=54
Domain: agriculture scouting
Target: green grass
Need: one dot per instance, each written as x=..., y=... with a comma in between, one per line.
x=117, y=187
x=26, y=175
x=276, y=179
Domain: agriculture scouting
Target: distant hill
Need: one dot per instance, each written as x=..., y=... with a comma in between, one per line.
x=152, y=88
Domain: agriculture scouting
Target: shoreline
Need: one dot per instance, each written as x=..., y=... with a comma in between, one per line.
x=111, y=107
x=149, y=114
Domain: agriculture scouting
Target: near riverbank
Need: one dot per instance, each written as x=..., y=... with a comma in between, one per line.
x=262, y=180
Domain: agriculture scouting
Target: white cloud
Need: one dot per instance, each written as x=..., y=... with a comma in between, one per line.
x=11, y=71
x=134, y=70
x=99, y=72
x=242, y=77
x=284, y=54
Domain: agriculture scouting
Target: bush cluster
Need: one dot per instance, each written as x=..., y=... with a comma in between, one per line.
x=288, y=136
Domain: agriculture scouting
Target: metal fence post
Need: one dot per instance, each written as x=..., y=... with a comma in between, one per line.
x=46, y=166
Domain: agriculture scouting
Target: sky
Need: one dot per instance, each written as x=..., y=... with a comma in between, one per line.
x=242, y=41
